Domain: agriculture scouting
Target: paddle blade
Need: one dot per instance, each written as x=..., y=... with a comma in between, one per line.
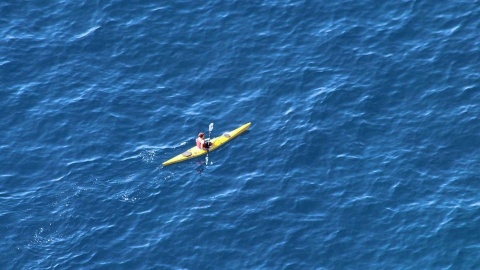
x=210, y=127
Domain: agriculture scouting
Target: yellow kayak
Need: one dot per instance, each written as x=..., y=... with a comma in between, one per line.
x=216, y=142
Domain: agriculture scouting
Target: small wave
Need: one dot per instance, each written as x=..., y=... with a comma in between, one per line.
x=86, y=33
x=477, y=204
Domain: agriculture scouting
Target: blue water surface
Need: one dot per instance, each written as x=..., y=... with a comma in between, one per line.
x=363, y=151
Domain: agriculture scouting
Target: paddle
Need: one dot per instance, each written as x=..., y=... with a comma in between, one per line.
x=210, y=128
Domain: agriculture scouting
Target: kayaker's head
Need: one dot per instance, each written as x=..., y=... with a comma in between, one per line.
x=200, y=135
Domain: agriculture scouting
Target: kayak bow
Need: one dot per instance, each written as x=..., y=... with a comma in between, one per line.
x=216, y=142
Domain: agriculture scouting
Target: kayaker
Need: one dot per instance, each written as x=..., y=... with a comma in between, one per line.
x=201, y=143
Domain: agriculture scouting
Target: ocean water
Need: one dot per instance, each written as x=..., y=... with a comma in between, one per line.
x=363, y=151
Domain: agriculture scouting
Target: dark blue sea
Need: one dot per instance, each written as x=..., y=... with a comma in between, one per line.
x=364, y=149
